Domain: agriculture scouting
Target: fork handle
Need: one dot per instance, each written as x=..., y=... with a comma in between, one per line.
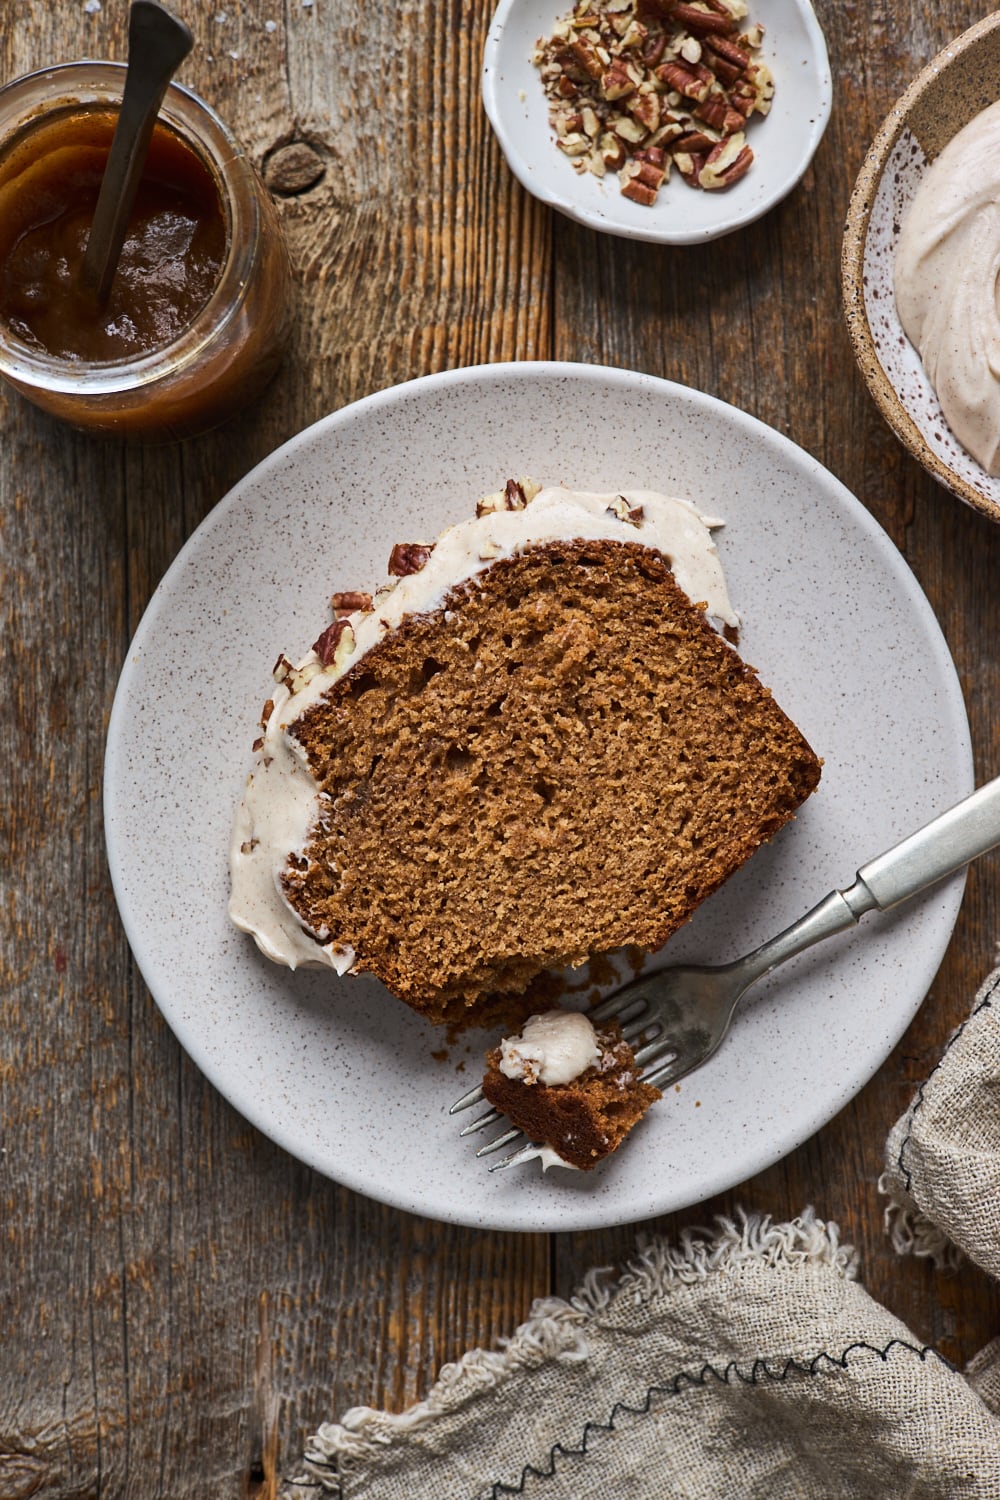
x=947, y=843
x=837, y=911
x=940, y=848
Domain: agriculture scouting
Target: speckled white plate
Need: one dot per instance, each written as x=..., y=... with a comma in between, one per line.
x=337, y=1071
x=784, y=142
x=944, y=97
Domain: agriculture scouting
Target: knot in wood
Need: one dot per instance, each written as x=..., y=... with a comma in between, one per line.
x=294, y=168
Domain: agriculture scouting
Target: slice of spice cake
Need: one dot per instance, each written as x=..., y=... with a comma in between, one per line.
x=533, y=749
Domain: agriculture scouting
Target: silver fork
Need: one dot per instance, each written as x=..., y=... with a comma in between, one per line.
x=682, y=1014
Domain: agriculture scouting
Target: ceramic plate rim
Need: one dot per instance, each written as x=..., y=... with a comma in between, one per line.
x=565, y=1213
x=731, y=216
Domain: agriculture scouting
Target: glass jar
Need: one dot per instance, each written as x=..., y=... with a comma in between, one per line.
x=205, y=368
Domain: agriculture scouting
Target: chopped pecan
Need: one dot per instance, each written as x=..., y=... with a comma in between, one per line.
x=691, y=82
x=621, y=509
x=653, y=49
x=668, y=132
x=689, y=165
x=703, y=21
x=515, y=495
x=591, y=124
x=725, y=72
x=694, y=140
x=613, y=152
x=635, y=34
x=645, y=107
x=655, y=156
x=630, y=129
x=326, y=647
x=349, y=601
x=617, y=82
x=726, y=164
x=291, y=677
x=725, y=48
x=408, y=557
x=717, y=112
x=760, y=80
x=587, y=57
x=742, y=101
x=633, y=187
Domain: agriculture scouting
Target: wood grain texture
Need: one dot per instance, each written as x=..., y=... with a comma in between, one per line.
x=180, y=1303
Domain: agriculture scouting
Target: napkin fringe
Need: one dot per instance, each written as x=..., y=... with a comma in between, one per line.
x=911, y=1233
x=557, y=1329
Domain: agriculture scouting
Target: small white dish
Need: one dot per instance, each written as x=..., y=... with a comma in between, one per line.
x=336, y=1070
x=784, y=142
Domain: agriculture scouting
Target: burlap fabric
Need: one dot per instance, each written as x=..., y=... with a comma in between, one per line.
x=942, y=1169
x=743, y=1362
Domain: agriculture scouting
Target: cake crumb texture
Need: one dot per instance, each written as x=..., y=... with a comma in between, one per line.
x=564, y=760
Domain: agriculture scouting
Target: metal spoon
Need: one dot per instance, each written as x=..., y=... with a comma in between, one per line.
x=157, y=44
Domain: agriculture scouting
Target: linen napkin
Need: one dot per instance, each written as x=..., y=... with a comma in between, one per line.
x=942, y=1158
x=743, y=1360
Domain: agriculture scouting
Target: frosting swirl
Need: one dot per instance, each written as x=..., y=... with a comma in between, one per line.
x=947, y=283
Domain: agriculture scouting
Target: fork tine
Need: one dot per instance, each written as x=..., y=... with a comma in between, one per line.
x=500, y=1142
x=489, y=1118
x=606, y=1008
x=467, y=1100
x=524, y=1153
x=671, y=1071
x=619, y=1008
x=654, y=1050
x=636, y=1028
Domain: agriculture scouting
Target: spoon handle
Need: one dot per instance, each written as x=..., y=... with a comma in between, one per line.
x=157, y=43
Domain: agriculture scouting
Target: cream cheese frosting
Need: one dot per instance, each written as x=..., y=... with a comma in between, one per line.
x=946, y=274
x=281, y=800
x=553, y=1048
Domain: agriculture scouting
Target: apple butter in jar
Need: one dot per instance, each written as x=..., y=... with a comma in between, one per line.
x=197, y=317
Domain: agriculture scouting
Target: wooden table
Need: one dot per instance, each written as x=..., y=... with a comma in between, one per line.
x=181, y=1302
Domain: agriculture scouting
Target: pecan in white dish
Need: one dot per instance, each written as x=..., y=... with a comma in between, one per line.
x=638, y=86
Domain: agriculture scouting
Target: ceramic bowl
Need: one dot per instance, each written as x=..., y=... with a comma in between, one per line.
x=955, y=86
x=784, y=142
